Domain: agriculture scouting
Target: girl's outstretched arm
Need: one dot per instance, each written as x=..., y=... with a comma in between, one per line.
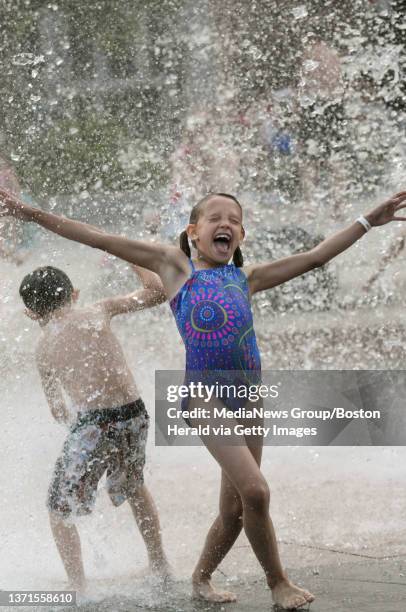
x=267, y=275
x=165, y=260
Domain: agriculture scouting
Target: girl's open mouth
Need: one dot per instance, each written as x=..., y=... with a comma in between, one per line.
x=222, y=243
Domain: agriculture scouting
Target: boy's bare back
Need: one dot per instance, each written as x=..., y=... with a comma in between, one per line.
x=79, y=353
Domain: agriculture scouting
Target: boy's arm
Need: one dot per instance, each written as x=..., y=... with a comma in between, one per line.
x=152, y=295
x=165, y=260
x=268, y=275
x=53, y=391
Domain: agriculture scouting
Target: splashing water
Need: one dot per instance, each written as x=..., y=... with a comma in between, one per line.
x=125, y=124
x=299, y=12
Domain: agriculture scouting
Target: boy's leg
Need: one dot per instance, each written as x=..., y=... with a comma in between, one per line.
x=72, y=491
x=68, y=543
x=146, y=515
x=125, y=479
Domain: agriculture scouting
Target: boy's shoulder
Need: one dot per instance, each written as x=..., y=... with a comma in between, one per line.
x=57, y=328
x=89, y=311
x=76, y=316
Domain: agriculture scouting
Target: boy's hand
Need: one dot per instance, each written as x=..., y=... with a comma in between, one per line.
x=149, y=279
x=11, y=206
x=151, y=295
x=384, y=213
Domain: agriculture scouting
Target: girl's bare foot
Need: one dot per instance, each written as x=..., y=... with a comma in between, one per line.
x=203, y=589
x=288, y=596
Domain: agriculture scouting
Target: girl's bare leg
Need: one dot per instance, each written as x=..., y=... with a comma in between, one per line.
x=221, y=537
x=146, y=516
x=222, y=534
x=243, y=471
x=68, y=543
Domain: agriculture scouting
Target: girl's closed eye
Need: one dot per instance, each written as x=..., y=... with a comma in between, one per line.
x=217, y=218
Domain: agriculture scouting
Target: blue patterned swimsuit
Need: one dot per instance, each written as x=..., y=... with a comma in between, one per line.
x=214, y=317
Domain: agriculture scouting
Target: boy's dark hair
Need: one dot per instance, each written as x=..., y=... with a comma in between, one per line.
x=238, y=259
x=46, y=289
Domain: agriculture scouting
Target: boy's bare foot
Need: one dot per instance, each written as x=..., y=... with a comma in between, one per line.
x=79, y=586
x=288, y=596
x=145, y=572
x=203, y=589
x=162, y=571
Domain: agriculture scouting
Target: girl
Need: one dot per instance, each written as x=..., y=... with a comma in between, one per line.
x=216, y=230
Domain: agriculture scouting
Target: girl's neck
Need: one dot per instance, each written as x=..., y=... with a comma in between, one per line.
x=201, y=264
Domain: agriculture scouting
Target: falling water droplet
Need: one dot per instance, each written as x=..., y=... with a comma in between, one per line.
x=306, y=100
x=255, y=52
x=299, y=12
x=39, y=59
x=22, y=59
x=310, y=65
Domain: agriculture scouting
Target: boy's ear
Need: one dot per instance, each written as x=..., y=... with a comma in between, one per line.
x=242, y=233
x=75, y=295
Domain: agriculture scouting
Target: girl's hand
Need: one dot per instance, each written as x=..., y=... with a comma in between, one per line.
x=11, y=206
x=384, y=213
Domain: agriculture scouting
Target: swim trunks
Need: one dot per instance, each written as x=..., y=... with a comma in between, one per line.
x=213, y=314
x=99, y=440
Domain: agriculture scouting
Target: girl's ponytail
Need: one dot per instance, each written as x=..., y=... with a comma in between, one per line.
x=238, y=259
x=184, y=243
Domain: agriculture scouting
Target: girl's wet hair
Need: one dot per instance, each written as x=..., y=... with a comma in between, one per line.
x=46, y=289
x=238, y=259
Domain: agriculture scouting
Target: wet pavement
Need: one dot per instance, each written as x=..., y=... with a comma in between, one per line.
x=339, y=512
x=365, y=585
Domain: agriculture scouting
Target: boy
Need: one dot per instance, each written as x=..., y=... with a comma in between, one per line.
x=79, y=354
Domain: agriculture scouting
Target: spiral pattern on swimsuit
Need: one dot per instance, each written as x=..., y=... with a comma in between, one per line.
x=211, y=316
